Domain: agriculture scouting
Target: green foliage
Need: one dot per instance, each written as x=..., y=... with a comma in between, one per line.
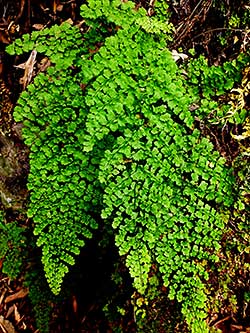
x=62, y=179
x=213, y=80
x=60, y=43
x=160, y=178
x=212, y=83
x=60, y=174
x=161, y=11
x=12, y=248
x=112, y=134
x=241, y=212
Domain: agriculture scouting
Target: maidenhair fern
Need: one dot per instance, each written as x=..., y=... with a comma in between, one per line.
x=62, y=179
x=112, y=134
x=215, y=81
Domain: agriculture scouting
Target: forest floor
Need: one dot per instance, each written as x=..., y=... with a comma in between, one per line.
x=198, y=25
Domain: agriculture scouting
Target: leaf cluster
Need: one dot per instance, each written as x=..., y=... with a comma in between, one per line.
x=213, y=83
x=60, y=43
x=116, y=140
x=52, y=111
x=62, y=178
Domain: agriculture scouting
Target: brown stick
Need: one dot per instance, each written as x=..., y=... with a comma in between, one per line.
x=22, y=4
x=221, y=321
x=18, y=295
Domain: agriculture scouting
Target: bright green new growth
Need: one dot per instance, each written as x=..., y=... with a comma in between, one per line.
x=62, y=179
x=117, y=139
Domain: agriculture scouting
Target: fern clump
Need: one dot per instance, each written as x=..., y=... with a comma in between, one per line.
x=112, y=136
